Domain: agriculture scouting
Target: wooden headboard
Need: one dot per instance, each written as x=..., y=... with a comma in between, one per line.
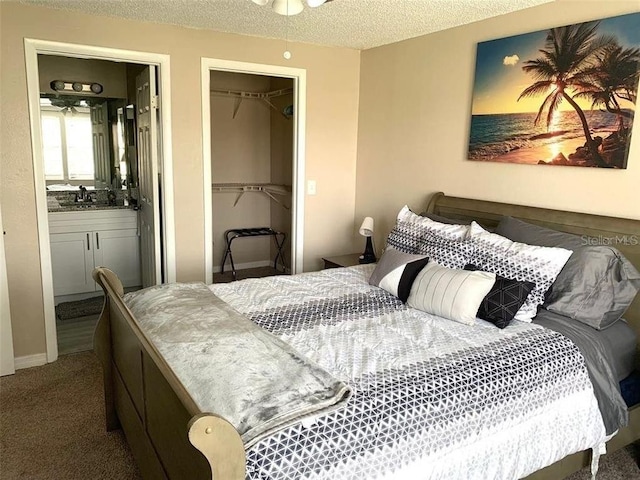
x=621, y=233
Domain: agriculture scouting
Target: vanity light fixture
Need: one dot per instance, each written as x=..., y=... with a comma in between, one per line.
x=77, y=87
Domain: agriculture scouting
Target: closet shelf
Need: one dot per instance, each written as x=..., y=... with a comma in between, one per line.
x=268, y=189
x=240, y=95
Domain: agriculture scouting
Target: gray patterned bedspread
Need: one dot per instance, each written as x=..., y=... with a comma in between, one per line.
x=432, y=398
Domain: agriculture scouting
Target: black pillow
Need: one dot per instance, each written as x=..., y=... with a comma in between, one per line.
x=504, y=299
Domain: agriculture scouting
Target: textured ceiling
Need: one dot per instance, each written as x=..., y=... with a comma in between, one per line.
x=358, y=24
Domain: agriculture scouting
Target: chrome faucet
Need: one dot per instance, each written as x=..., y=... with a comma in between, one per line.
x=83, y=192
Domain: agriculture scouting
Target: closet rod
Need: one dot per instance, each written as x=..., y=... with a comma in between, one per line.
x=239, y=95
x=269, y=189
x=251, y=95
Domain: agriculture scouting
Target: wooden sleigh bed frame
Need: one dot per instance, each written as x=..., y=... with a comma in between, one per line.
x=171, y=438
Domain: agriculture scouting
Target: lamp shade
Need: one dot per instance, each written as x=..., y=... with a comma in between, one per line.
x=315, y=3
x=366, y=229
x=287, y=7
x=262, y=3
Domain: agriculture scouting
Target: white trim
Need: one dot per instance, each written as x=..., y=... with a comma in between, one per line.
x=29, y=361
x=169, y=231
x=7, y=362
x=299, y=76
x=33, y=47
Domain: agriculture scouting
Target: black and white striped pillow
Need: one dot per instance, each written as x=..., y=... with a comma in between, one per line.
x=450, y=293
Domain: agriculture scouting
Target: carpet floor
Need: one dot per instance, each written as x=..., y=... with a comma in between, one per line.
x=52, y=425
x=52, y=428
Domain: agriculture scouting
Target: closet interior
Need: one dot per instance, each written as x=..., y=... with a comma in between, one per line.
x=252, y=169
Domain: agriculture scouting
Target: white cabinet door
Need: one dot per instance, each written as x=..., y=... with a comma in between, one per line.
x=119, y=250
x=72, y=263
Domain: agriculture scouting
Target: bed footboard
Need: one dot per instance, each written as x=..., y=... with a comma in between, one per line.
x=169, y=436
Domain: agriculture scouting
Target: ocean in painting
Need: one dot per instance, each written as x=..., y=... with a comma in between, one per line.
x=514, y=135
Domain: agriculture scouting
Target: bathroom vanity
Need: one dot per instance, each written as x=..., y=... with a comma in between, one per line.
x=85, y=238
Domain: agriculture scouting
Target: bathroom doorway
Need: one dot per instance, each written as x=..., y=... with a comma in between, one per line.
x=111, y=240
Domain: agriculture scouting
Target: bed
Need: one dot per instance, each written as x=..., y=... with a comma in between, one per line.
x=173, y=436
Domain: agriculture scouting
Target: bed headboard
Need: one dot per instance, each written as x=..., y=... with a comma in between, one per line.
x=624, y=233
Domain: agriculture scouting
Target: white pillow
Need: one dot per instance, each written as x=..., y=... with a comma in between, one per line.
x=518, y=261
x=450, y=293
x=442, y=243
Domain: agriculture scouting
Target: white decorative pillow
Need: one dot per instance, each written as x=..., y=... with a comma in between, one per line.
x=518, y=261
x=450, y=293
x=442, y=243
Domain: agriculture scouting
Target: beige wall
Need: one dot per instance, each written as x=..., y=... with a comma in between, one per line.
x=333, y=77
x=111, y=75
x=415, y=108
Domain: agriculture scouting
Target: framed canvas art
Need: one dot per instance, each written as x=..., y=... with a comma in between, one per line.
x=562, y=96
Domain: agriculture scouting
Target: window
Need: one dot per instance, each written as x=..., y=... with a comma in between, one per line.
x=67, y=144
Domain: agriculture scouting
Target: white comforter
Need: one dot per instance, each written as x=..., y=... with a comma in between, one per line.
x=433, y=399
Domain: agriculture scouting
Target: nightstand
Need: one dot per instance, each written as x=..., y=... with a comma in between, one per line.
x=342, y=261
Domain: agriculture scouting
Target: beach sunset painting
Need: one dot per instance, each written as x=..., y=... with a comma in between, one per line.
x=562, y=96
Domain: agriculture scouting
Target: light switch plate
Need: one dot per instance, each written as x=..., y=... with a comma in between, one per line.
x=311, y=187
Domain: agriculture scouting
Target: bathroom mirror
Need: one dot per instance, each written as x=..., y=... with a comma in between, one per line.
x=81, y=144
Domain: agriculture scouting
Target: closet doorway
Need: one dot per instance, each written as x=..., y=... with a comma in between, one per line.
x=254, y=163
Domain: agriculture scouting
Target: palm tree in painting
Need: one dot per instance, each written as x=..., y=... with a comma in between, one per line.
x=614, y=77
x=562, y=67
x=612, y=81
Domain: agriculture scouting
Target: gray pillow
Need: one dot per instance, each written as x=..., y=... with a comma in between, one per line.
x=524, y=232
x=597, y=284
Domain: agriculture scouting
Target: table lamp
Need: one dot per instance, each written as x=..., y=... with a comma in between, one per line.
x=366, y=230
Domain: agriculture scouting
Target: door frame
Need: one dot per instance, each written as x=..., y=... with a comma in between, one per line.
x=299, y=77
x=7, y=361
x=34, y=47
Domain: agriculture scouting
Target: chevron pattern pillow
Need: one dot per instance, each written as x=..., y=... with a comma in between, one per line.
x=504, y=299
x=499, y=255
x=445, y=244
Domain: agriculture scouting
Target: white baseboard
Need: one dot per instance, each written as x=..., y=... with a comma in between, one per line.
x=29, y=361
x=244, y=266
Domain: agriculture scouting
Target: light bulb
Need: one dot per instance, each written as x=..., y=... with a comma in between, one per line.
x=287, y=7
x=315, y=3
x=287, y=54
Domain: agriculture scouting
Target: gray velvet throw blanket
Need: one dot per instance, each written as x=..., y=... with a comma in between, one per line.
x=230, y=365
